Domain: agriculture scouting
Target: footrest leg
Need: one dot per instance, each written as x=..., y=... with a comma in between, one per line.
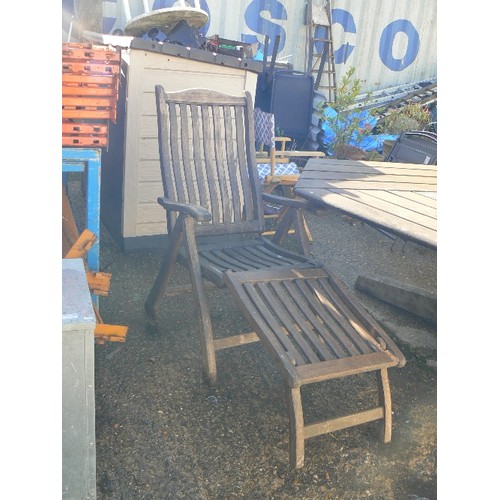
x=296, y=421
x=385, y=401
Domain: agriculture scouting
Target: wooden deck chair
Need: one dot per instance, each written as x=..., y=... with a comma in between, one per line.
x=302, y=314
x=274, y=165
x=214, y=201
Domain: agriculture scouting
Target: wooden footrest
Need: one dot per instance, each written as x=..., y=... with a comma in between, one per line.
x=311, y=324
x=316, y=330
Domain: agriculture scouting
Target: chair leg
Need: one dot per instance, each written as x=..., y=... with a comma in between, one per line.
x=205, y=323
x=296, y=423
x=166, y=270
x=385, y=401
x=302, y=233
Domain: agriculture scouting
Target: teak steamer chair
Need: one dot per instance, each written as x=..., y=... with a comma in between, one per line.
x=308, y=321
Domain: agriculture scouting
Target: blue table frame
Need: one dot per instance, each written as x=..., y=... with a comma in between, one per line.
x=88, y=161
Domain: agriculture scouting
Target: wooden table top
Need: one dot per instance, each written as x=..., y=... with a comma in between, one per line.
x=398, y=197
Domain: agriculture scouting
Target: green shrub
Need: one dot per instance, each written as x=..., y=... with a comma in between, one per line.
x=347, y=119
x=412, y=116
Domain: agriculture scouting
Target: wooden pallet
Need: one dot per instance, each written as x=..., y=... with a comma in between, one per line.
x=84, y=134
x=90, y=91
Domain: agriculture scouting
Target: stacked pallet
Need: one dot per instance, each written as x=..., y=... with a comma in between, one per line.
x=90, y=86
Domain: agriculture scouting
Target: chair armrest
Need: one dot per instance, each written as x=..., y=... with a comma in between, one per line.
x=198, y=213
x=282, y=141
x=297, y=203
x=285, y=179
x=303, y=154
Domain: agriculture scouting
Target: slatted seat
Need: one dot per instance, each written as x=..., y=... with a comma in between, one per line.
x=316, y=331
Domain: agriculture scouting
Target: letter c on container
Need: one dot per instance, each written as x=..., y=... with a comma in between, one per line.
x=345, y=19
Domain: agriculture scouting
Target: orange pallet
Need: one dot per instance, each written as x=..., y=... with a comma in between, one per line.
x=97, y=85
x=90, y=68
x=90, y=87
x=84, y=134
x=84, y=128
x=90, y=54
x=84, y=141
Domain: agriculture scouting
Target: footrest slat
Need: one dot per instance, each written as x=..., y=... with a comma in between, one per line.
x=336, y=424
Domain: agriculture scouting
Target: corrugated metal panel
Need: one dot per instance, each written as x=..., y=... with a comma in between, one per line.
x=389, y=43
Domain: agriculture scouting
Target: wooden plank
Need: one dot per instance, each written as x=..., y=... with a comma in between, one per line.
x=88, y=51
x=405, y=228
x=324, y=166
x=99, y=282
x=426, y=198
x=336, y=321
x=210, y=166
x=336, y=424
x=97, y=114
x=198, y=158
x=219, y=138
x=88, y=91
x=84, y=140
x=415, y=300
x=224, y=259
x=82, y=245
x=85, y=128
x=233, y=168
x=337, y=348
x=259, y=257
x=372, y=200
x=236, y=340
x=270, y=329
x=250, y=311
x=77, y=80
x=375, y=182
x=297, y=308
x=90, y=68
x=344, y=367
x=368, y=173
x=110, y=333
x=288, y=329
x=363, y=318
x=422, y=205
x=88, y=102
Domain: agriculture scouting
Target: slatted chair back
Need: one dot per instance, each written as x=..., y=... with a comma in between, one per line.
x=207, y=158
x=414, y=147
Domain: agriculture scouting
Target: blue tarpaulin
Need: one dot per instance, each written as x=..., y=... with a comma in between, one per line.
x=367, y=143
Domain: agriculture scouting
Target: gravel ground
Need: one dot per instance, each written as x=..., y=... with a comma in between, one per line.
x=162, y=433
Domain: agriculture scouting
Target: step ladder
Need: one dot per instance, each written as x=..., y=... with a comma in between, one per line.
x=321, y=66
